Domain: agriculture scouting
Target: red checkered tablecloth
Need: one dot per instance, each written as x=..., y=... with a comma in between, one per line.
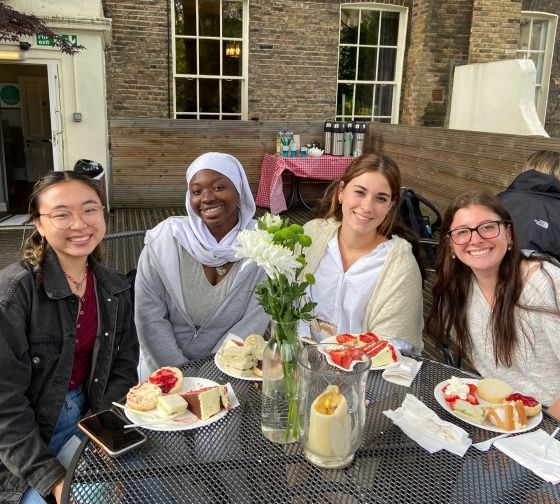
x=271, y=190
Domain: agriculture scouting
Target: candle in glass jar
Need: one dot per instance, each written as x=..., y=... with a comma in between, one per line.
x=329, y=424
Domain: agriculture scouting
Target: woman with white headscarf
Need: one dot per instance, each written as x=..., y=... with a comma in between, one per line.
x=190, y=290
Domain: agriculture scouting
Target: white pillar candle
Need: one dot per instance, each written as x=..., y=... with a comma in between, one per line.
x=329, y=424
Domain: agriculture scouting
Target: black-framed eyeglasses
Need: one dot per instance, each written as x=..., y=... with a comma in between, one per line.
x=486, y=230
x=63, y=219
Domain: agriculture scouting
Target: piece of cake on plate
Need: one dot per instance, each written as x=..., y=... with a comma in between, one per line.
x=208, y=401
x=381, y=353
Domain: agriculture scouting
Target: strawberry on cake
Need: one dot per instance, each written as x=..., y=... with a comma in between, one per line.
x=381, y=353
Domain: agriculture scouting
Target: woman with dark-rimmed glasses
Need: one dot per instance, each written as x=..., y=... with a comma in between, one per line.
x=498, y=308
x=67, y=339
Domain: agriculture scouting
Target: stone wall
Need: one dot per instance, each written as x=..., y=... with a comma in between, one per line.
x=494, y=30
x=138, y=72
x=438, y=39
x=552, y=120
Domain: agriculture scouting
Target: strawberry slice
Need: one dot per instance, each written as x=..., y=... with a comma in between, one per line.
x=368, y=338
x=472, y=399
x=346, y=339
x=473, y=388
x=336, y=356
x=347, y=359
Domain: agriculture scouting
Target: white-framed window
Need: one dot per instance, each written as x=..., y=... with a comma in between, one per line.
x=537, y=33
x=370, y=62
x=210, y=47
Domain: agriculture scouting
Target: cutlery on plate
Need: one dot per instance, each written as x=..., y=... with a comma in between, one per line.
x=154, y=422
x=130, y=410
x=486, y=445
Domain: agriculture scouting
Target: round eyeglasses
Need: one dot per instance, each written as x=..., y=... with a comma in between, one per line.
x=63, y=219
x=487, y=230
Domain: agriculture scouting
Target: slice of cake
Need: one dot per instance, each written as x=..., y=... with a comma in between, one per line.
x=207, y=402
x=381, y=353
x=171, y=404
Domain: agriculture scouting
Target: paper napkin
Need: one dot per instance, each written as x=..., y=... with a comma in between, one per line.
x=402, y=372
x=526, y=450
x=432, y=433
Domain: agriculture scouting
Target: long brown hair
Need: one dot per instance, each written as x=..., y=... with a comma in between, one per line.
x=330, y=206
x=36, y=248
x=453, y=284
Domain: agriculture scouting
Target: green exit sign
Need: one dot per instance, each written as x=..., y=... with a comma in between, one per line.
x=43, y=40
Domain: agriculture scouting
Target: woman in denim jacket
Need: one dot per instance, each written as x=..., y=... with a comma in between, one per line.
x=67, y=339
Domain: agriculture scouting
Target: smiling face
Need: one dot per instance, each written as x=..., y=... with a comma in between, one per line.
x=215, y=200
x=366, y=201
x=482, y=255
x=80, y=238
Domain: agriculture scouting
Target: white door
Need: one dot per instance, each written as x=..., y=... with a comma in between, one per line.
x=36, y=125
x=56, y=115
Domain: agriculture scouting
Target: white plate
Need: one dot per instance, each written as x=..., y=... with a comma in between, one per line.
x=184, y=422
x=231, y=373
x=332, y=340
x=440, y=398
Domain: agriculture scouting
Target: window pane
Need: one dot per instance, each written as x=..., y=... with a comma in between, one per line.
x=349, y=26
x=232, y=55
x=366, y=63
x=347, y=63
x=538, y=37
x=182, y=116
x=538, y=60
x=344, y=99
x=389, y=28
x=387, y=64
x=384, y=100
x=231, y=96
x=186, y=94
x=209, y=18
x=369, y=27
x=232, y=18
x=364, y=99
x=185, y=17
x=231, y=117
x=524, y=28
x=209, y=116
x=209, y=95
x=209, y=57
x=185, y=56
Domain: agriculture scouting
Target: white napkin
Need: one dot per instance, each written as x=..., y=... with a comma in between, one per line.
x=526, y=449
x=402, y=372
x=432, y=433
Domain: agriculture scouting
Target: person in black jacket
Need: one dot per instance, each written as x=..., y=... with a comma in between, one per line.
x=533, y=200
x=68, y=342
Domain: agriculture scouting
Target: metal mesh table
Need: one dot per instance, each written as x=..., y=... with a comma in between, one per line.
x=230, y=461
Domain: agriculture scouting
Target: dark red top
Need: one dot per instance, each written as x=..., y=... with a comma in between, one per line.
x=86, y=332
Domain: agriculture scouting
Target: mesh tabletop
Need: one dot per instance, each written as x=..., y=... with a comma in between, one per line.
x=230, y=461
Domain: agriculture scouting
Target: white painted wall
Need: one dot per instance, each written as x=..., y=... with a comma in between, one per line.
x=81, y=78
x=497, y=97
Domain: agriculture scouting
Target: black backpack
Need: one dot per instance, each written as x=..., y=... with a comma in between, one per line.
x=410, y=213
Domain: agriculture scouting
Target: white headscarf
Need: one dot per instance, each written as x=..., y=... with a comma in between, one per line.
x=193, y=234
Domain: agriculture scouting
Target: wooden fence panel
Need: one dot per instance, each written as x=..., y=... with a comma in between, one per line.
x=149, y=156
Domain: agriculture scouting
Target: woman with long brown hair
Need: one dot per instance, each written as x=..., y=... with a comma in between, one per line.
x=67, y=338
x=367, y=278
x=497, y=307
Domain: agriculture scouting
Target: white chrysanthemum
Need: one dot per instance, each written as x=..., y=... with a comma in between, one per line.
x=271, y=220
x=256, y=246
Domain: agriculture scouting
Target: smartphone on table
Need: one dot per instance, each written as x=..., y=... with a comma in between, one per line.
x=107, y=430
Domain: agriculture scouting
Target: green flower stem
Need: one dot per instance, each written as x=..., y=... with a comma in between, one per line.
x=289, y=346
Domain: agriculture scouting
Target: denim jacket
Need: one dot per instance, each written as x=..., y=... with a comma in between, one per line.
x=37, y=339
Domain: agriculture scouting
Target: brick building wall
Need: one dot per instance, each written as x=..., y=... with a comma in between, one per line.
x=438, y=39
x=494, y=30
x=138, y=81
x=552, y=119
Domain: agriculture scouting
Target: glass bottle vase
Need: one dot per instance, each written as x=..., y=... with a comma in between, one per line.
x=279, y=420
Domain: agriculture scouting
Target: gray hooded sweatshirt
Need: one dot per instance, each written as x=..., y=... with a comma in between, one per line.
x=166, y=333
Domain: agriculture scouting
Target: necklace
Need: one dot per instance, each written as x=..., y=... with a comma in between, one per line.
x=221, y=270
x=79, y=284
